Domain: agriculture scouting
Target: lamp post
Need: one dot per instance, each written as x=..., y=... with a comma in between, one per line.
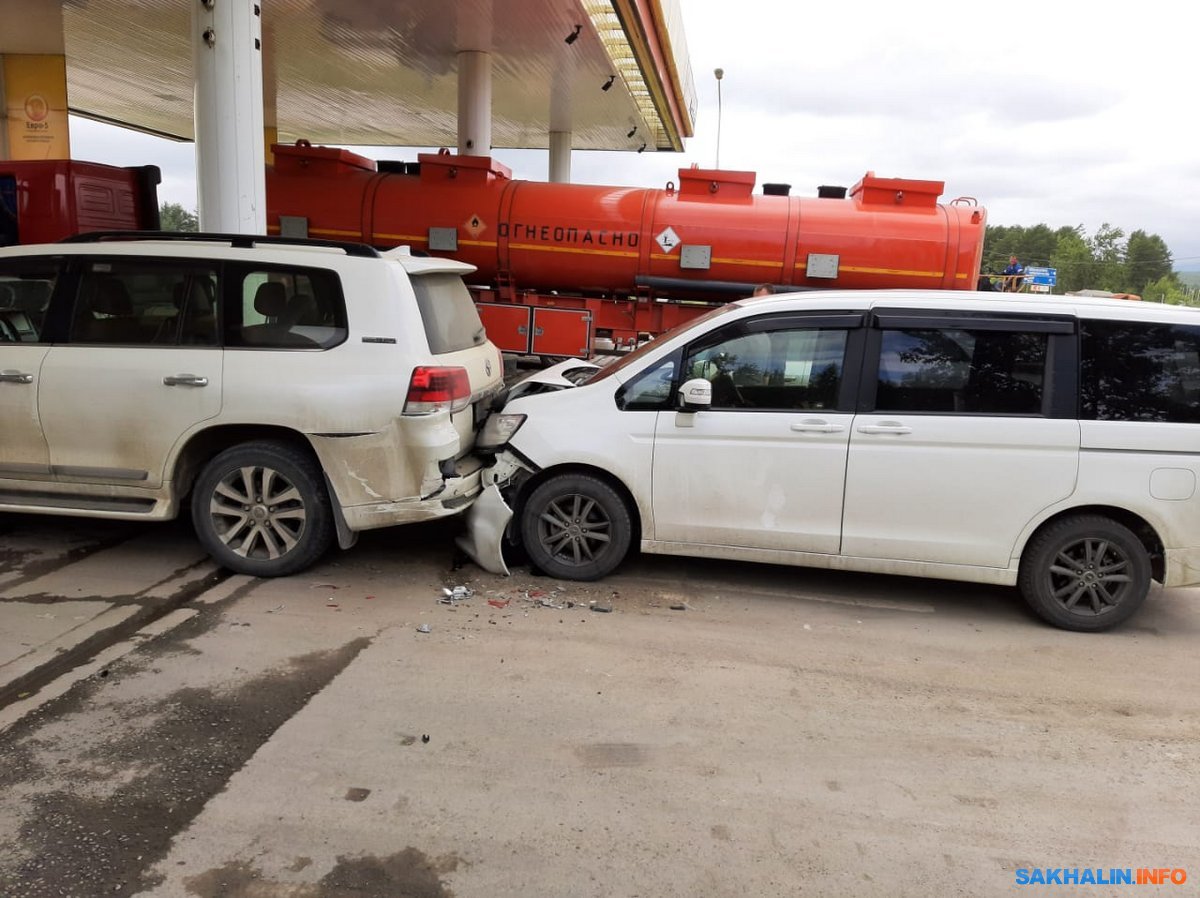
x=719, y=74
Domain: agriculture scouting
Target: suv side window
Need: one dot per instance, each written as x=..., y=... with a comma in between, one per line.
x=25, y=288
x=1139, y=371
x=146, y=302
x=790, y=367
x=959, y=370
x=282, y=307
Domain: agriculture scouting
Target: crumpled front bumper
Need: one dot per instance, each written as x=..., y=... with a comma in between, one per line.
x=488, y=518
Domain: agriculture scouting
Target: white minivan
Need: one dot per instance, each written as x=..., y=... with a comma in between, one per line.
x=1049, y=444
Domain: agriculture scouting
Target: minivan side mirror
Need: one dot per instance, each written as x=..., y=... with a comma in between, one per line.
x=695, y=395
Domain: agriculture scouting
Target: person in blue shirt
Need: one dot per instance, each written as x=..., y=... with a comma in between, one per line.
x=1013, y=275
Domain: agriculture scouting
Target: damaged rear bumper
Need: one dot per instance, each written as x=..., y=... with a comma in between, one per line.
x=407, y=472
x=450, y=496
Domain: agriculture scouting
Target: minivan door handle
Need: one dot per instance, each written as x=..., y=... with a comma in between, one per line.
x=185, y=380
x=816, y=425
x=885, y=427
x=15, y=377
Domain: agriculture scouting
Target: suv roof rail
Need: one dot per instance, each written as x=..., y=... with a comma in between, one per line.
x=238, y=241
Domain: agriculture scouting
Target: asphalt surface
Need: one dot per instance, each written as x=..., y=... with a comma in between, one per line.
x=683, y=728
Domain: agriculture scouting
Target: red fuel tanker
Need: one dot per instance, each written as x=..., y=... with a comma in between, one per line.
x=625, y=260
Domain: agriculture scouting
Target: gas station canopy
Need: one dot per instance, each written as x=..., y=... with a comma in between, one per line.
x=613, y=73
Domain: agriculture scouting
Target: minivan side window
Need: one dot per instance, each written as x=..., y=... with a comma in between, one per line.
x=961, y=371
x=145, y=302
x=1139, y=371
x=25, y=288
x=791, y=368
x=278, y=307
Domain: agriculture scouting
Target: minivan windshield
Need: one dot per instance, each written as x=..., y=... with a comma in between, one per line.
x=451, y=320
x=640, y=353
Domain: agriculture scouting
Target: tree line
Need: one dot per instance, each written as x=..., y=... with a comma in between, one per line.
x=1106, y=260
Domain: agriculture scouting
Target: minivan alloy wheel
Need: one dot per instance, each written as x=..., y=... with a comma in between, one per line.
x=1089, y=576
x=576, y=526
x=1085, y=572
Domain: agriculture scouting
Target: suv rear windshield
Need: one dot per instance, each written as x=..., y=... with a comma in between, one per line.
x=451, y=321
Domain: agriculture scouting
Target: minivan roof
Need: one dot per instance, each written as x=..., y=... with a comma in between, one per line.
x=954, y=300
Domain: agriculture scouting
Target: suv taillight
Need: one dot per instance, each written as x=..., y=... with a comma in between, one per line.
x=434, y=389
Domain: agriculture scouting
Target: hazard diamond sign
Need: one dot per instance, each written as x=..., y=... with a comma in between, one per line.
x=667, y=239
x=475, y=226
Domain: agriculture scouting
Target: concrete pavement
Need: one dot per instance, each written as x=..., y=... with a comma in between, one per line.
x=72, y=588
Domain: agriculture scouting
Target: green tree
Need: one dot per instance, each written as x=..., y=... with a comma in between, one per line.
x=1108, y=250
x=1167, y=289
x=174, y=217
x=1147, y=260
x=1073, y=258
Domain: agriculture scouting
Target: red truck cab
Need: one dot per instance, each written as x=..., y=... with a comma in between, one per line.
x=46, y=200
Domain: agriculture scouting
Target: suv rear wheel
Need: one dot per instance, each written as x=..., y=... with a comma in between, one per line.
x=1085, y=573
x=261, y=509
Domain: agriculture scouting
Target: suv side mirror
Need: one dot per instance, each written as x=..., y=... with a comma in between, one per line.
x=695, y=395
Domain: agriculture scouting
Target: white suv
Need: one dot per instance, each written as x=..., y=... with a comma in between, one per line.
x=293, y=390
x=1051, y=443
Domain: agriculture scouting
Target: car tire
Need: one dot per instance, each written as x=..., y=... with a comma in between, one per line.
x=1085, y=573
x=271, y=534
x=576, y=527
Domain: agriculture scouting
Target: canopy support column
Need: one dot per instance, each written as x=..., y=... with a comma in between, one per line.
x=474, y=103
x=227, y=51
x=560, y=157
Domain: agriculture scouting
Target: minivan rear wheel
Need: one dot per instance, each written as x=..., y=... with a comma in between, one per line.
x=1086, y=573
x=576, y=527
x=261, y=509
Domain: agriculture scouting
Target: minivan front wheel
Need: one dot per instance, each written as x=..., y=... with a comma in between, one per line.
x=1085, y=573
x=576, y=527
x=261, y=509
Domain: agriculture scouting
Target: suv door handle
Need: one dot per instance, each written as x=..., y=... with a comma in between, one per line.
x=885, y=427
x=15, y=377
x=185, y=380
x=816, y=425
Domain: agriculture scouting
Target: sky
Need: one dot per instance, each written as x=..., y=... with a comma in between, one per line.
x=1055, y=112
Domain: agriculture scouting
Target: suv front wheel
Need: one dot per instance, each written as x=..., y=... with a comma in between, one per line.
x=261, y=509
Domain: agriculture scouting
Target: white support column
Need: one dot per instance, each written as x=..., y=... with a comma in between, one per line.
x=227, y=52
x=474, y=103
x=560, y=157
x=561, y=114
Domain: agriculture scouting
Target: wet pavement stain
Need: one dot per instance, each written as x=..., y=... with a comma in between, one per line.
x=29, y=564
x=406, y=874
x=77, y=843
